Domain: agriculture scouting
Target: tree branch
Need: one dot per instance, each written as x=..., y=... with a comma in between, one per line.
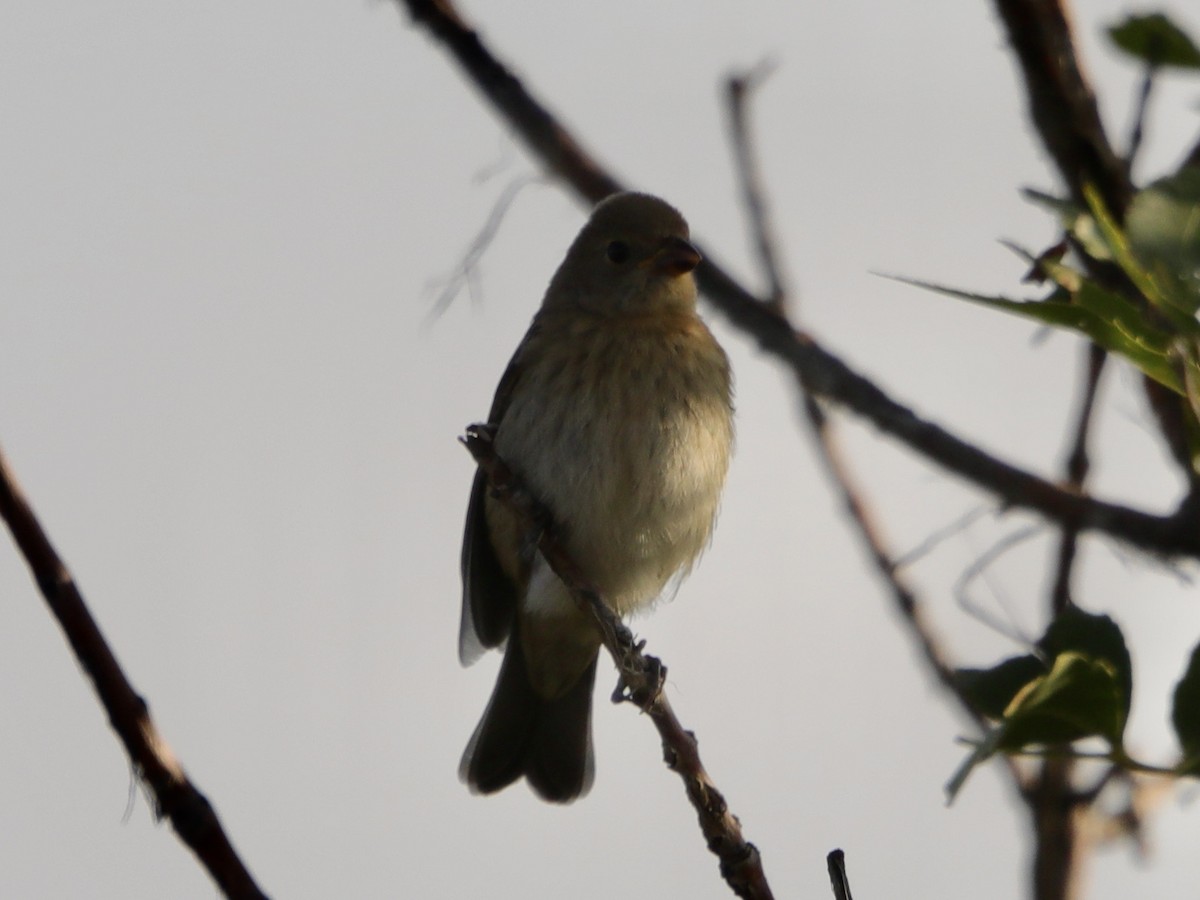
x=738, y=89
x=1062, y=103
x=175, y=797
x=1077, y=467
x=817, y=370
x=835, y=861
x=641, y=676
x=910, y=608
x=822, y=430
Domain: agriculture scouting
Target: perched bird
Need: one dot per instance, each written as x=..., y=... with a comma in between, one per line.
x=616, y=412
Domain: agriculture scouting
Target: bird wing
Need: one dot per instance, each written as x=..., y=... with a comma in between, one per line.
x=489, y=594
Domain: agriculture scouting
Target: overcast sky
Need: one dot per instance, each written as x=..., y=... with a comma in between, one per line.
x=223, y=229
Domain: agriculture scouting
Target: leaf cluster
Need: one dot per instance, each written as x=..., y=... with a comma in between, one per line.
x=1131, y=287
x=1076, y=684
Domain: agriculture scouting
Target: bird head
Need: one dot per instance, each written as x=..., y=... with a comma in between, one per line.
x=632, y=257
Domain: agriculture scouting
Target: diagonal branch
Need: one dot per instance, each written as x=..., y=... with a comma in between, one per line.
x=1062, y=103
x=175, y=797
x=822, y=430
x=910, y=608
x=1077, y=467
x=817, y=369
x=641, y=676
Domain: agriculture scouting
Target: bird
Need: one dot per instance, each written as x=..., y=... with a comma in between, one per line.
x=616, y=412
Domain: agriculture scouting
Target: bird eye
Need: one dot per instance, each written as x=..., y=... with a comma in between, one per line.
x=617, y=252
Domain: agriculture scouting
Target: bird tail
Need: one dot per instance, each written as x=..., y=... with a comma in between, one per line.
x=523, y=733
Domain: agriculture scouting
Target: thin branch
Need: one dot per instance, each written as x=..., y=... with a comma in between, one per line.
x=932, y=541
x=836, y=863
x=175, y=797
x=1055, y=807
x=1137, y=130
x=1077, y=467
x=817, y=369
x=1193, y=157
x=824, y=434
x=641, y=676
x=467, y=267
x=911, y=610
x=1063, y=108
x=738, y=89
x=979, y=569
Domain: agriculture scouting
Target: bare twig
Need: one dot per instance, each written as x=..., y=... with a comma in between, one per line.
x=1055, y=807
x=738, y=89
x=1193, y=157
x=175, y=797
x=1077, y=467
x=1136, y=131
x=817, y=369
x=642, y=677
x=822, y=429
x=1064, y=111
x=836, y=863
x=979, y=568
x=932, y=541
x=911, y=610
x=466, y=268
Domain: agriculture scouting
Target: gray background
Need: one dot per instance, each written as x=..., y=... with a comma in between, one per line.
x=222, y=230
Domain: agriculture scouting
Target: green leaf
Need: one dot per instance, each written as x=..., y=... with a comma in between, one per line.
x=1097, y=637
x=1079, y=697
x=1064, y=206
x=981, y=753
x=1163, y=226
x=990, y=691
x=1160, y=292
x=1185, y=715
x=1159, y=247
x=1106, y=318
x=1084, y=691
x=1156, y=40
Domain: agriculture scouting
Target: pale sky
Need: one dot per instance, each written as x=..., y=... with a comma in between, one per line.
x=222, y=230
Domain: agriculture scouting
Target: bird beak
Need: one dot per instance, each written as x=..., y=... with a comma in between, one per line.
x=675, y=257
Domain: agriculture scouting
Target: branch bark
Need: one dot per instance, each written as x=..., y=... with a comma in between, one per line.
x=1062, y=103
x=175, y=797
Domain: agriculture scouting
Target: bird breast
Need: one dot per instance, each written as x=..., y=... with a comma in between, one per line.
x=623, y=426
